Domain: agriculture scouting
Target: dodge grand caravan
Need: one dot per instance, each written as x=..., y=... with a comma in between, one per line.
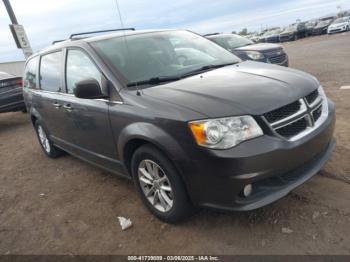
x=189, y=122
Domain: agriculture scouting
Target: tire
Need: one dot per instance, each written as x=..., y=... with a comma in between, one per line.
x=295, y=37
x=46, y=144
x=165, y=184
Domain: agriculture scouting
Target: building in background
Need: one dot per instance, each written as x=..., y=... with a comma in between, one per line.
x=15, y=68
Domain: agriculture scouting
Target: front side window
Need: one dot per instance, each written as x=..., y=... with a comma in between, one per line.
x=161, y=54
x=50, y=72
x=80, y=67
x=30, y=73
x=340, y=20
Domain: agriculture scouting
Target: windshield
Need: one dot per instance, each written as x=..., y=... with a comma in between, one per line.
x=291, y=28
x=323, y=23
x=141, y=57
x=340, y=20
x=232, y=41
x=272, y=32
x=310, y=24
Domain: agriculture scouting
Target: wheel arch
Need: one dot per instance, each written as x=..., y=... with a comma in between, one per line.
x=138, y=134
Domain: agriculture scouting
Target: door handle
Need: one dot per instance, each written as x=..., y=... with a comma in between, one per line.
x=57, y=105
x=68, y=107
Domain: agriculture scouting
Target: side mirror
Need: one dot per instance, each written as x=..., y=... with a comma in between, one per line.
x=88, y=89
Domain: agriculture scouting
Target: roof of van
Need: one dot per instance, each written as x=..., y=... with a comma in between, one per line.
x=80, y=40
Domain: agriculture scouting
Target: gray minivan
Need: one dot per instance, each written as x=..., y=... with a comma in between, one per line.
x=188, y=121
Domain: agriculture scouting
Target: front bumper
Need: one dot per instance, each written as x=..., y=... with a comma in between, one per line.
x=286, y=37
x=336, y=30
x=273, y=166
x=319, y=31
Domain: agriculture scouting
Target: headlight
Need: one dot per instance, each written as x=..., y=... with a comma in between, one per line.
x=254, y=55
x=223, y=133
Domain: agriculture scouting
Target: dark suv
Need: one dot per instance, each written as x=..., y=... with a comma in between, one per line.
x=322, y=26
x=246, y=49
x=190, y=123
x=11, y=93
x=293, y=32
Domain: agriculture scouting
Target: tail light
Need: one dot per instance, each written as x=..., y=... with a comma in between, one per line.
x=19, y=82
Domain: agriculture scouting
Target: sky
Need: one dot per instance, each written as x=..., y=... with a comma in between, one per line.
x=46, y=21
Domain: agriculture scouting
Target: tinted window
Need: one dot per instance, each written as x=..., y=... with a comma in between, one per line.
x=50, y=72
x=30, y=73
x=341, y=20
x=80, y=67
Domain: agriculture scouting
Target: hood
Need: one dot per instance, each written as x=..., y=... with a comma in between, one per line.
x=321, y=26
x=273, y=35
x=248, y=88
x=259, y=47
x=288, y=32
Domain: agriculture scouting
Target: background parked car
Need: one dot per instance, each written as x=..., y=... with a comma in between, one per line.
x=271, y=36
x=293, y=32
x=322, y=26
x=11, y=93
x=310, y=25
x=256, y=37
x=339, y=25
x=248, y=50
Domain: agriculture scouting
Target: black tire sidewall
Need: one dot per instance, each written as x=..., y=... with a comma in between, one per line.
x=181, y=204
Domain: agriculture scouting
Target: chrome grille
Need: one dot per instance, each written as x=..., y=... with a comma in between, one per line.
x=293, y=129
x=310, y=98
x=317, y=113
x=293, y=119
x=278, y=59
x=282, y=112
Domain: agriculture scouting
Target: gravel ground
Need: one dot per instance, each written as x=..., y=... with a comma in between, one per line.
x=66, y=206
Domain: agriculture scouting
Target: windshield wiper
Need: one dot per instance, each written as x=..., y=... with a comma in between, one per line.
x=154, y=80
x=162, y=79
x=206, y=68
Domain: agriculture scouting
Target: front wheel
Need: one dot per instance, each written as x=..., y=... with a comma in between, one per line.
x=45, y=142
x=160, y=186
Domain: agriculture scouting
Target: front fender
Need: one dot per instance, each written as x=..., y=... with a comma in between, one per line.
x=154, y=135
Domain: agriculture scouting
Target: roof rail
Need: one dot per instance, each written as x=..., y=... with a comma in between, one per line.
x=57, y=41
x=101, y=31
x=211, y=34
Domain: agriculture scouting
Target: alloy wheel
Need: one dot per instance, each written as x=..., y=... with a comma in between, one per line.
x=155, y=185
x=44, y=141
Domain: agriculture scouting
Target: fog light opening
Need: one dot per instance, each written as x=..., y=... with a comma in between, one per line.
x=247, y=190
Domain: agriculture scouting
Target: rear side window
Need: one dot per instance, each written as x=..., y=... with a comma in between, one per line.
x=80, y=67
x=50, y=72
x=30, y=73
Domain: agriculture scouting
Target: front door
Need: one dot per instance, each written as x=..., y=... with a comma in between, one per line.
x=87, y=119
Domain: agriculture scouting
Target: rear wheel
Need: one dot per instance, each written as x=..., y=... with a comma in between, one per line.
x=159, y=185
x=45, y=142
